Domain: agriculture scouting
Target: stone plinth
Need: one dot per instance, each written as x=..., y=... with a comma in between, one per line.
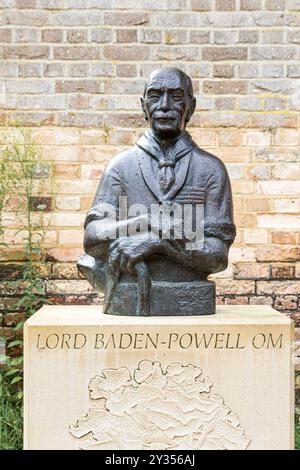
x=97, y=381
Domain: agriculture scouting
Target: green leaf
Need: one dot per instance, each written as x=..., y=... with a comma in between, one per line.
x=19, y=325
x=16, y=342
x=3, y=358
x=17, y=361
x=16, y=380
x=11, y=372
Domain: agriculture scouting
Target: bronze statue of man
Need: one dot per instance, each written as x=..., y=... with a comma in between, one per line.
x=149, y=265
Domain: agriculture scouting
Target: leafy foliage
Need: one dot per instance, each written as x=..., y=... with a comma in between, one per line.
x=297, y=428
x=21, y=183
x=10, y=419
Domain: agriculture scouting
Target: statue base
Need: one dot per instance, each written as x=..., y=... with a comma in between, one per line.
x=95, y=381
x=167, y=298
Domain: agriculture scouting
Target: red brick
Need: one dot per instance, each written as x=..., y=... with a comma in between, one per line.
x=65, y=271
x=12, y=287
x=276, y=253
x=125, y=120
x=223, y=70
x=13, y=318
x=278, y=287
x=248, y=36
x=225, y=287
x=83, y=86
x=286, y=302
x=76, y=52
x=79, y=101
x=215, y=119
x=77, y=35
x=127, y=35
x=225, y=87
x=225, y=5
x=10, y=271
x=52, y=35
x=7, y=332
x=126, y=18
x=258, y=205
x=273, y=53
x=201, y=5
x=252, y=271
x=126, y=52
x=239, y=300
x=26, y=3
x=225, y=103
x=67, y=170
x=274, y=121
x=33, y=119
x=176, y=36
x=64, y=254
x=8, y=304
x=126, y=70
x=224, y=53
x=169, y=52
x=28, y=18
x=199, y=37
x=101, y=35
x=41, y=203
x=86, y=202
x=5, y=35
x=65, y=287
x=78, y=69
x=261, y=300
x=286, y=238
x=251, y=5
x=245, y=220
x=282, y=271
x=26, y=52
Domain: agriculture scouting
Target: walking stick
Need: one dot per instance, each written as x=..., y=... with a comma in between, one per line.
x=143, y=288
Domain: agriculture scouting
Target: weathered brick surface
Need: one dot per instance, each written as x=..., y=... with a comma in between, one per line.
x=74, y=71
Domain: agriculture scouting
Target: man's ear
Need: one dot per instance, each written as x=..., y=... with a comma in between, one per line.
x=191, y=109
x=144, y=109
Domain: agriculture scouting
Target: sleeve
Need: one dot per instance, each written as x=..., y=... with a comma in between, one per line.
x=218, y=209
x=107, y=195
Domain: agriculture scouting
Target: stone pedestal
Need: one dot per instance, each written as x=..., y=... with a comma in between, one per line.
x=95, y=381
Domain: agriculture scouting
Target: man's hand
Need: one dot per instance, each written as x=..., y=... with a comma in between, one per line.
x=125, y=252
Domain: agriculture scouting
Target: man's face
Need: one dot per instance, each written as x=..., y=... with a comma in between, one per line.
x=166, y=103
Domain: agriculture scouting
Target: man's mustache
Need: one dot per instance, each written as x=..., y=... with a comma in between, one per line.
x=166, y=115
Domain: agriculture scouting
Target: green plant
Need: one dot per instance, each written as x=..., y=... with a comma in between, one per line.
x=10, y=419
x=297, y=428
x=29, y=180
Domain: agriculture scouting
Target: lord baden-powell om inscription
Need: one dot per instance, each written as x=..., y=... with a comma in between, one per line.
x=155, y=408
x=155, y=340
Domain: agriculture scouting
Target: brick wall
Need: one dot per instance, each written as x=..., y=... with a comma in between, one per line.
x=74, y=71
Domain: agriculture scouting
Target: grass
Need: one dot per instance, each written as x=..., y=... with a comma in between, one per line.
x=297, y=437
x=11, y=421
x=297, y=429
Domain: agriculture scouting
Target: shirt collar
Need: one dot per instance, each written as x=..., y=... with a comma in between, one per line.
x=182, y=144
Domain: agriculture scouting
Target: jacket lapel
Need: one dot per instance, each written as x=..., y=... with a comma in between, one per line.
x=181, y=175
x=148, y=175
x=182, y=154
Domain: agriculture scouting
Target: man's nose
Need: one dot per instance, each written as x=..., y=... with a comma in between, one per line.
x=165, y=102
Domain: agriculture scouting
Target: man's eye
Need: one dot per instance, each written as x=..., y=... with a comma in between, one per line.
x=153, y=96
x=177, y=96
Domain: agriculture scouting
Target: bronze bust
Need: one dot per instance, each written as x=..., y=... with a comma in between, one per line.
x=162, y=217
